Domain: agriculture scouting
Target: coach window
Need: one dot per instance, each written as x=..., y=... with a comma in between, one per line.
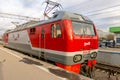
x=32, y=31
x=56, y=31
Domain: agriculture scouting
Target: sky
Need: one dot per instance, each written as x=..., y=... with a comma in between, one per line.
x=104, y=13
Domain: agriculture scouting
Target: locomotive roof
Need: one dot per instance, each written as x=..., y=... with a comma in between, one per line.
x=59, y=15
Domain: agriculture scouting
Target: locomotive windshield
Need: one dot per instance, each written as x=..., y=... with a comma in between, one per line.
x=82, y=28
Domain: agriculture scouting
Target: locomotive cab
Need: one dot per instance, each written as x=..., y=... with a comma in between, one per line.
x=81, y=41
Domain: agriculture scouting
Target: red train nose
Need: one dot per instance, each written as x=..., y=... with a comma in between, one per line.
x=74, y=68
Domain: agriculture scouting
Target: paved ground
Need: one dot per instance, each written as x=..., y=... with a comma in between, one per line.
x=109, y=49
x=108, y=56
x=16, y=66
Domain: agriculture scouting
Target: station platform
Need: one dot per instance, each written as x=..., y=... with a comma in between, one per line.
x=107, y=49
x=109, y=56
x=17, y=66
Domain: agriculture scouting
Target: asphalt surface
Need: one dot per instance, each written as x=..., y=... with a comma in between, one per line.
x=109, y=49
x=16, y=66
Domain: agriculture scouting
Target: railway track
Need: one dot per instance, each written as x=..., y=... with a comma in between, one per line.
x=112, y=70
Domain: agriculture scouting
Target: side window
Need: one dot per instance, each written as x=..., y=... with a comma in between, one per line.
x=32, y=30
x=56, y=31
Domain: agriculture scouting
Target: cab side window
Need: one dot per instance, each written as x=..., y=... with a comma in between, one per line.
x=32, y=30
x=59, y=34
x=56, y=31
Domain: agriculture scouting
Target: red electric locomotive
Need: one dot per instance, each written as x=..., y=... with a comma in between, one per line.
x=68, y=39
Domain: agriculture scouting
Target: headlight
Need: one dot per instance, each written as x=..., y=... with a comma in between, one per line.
x=93, y=55
x=77, y=58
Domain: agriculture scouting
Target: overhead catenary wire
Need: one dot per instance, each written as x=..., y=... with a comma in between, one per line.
x=14, y=16
x=94, y=12
x=103, y=9
x=98, y=13
x=73, y=6
x=102, y=13
x=104, y=17
x=117, y=23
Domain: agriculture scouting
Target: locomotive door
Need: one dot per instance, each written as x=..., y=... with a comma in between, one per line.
x=43, y=39
x=42, y=43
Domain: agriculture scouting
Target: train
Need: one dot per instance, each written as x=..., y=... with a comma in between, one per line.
x=70, y=40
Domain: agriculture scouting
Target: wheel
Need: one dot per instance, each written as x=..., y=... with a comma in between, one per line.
x=88, y=71
x=91, y=72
